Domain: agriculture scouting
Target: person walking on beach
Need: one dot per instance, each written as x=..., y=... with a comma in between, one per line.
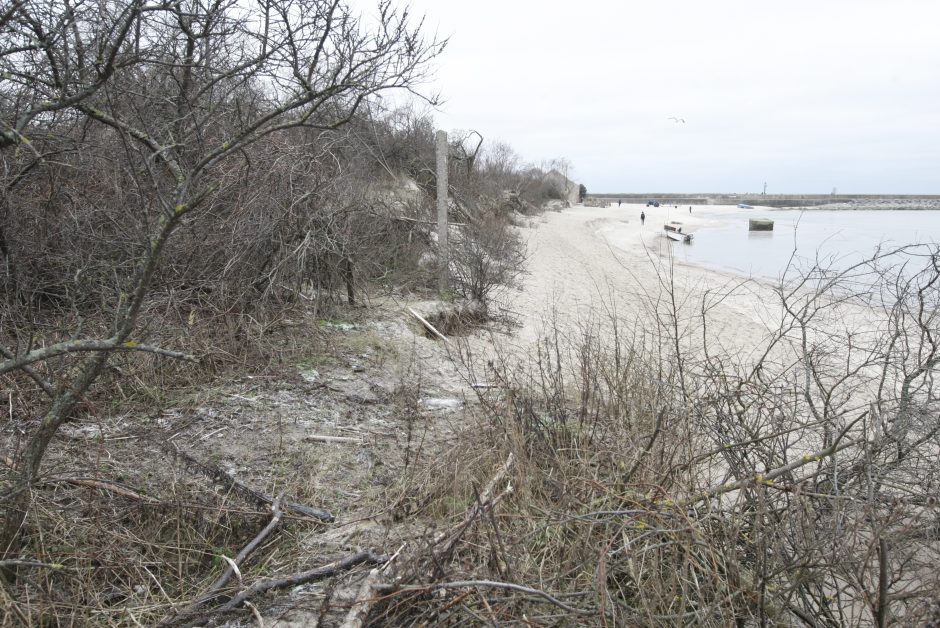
x=642, y=218
x=690, y=209
x=618, y=202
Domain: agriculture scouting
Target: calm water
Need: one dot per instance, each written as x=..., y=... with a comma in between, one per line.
x=839, y=237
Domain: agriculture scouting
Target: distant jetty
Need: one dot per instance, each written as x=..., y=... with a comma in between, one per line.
x=808, y=201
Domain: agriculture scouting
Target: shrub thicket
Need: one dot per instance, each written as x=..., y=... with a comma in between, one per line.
x=177, y=175
x=658, y=477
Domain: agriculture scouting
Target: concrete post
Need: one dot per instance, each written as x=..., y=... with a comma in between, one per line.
x=442, y=210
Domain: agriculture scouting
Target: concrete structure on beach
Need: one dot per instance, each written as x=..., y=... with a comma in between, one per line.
x=569, y=189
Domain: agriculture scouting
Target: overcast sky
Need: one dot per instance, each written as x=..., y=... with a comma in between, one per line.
x=806, y=96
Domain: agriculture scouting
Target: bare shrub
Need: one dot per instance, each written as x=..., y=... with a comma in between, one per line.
x=175, y=178
x=486, y=255
x=659, y=483
x=154, y=134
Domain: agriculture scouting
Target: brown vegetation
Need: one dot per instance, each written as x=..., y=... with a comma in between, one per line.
x=654, y=484
x=178, y=180
x=189, y=188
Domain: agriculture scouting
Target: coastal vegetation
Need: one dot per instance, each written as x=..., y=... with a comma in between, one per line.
x=178, y=178
x=661, y=477
x=210, y=229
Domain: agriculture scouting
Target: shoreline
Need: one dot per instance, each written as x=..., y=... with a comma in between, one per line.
x=588, y=263
x=768, y=257
x=582, y=283
x=577, y=272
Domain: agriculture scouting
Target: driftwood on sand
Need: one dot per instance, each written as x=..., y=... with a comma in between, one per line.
x=427, y=325
x=441, y=318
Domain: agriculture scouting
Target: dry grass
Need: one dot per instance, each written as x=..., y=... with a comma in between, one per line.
x=121, y=533
x=107, y=559
x=639, y=497
x=637, y=494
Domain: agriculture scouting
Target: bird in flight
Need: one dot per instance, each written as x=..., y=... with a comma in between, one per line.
x=678, y=120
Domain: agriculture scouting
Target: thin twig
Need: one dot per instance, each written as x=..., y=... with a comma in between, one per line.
x=73, y=346
x=46, y=386
x=219, y=475
x=217, y=586
x=31, y=563
x=104, y=486
x=332, y=439
x=763, y=478
x=319, y=573
x=493, y=584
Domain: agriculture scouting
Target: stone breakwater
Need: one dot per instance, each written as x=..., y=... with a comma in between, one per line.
x=881, y=204
x=781, y=201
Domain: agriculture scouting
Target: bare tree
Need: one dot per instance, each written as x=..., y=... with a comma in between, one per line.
x=181, y=91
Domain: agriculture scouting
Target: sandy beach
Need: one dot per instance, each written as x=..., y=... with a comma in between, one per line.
x=588, y=260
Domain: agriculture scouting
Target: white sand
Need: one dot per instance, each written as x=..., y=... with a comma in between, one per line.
x=588, y=260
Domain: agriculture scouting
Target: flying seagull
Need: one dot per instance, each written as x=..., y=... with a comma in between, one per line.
x=678, y=120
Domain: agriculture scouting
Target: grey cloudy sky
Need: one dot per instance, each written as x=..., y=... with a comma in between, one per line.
x=805, y=95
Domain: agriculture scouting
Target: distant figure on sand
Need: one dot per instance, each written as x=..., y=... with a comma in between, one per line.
x=690, y=209
x=618, y=202
x=642, y=218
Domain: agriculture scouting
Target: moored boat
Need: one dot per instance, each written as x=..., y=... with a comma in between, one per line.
x=673, y=231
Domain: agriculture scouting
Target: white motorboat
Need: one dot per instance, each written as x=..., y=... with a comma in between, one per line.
x=673, y=231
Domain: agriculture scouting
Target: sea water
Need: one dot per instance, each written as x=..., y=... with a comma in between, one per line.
x=800, y=239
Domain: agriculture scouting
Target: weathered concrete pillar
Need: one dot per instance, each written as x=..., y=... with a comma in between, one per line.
x=442, y=210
